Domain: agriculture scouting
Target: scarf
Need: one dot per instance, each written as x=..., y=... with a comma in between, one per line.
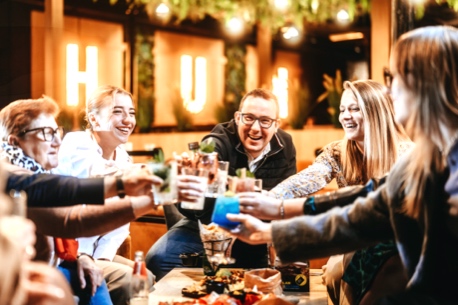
x=65, y=248
x=15, y=155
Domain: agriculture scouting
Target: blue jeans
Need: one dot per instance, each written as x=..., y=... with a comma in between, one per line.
x=101, y=296
x=184, y=237
x=164, y=255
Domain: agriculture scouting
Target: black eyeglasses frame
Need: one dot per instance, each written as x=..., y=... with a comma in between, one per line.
x=60, y=130
x=242, y=116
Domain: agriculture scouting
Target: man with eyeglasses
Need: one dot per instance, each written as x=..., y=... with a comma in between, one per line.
x=251, y=140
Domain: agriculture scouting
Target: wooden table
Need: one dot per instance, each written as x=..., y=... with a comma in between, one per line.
x=168, y=289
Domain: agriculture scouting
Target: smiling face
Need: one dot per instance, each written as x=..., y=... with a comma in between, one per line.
x=115, y=122
x=254, y=138
x=351, y=118
x=34, y=145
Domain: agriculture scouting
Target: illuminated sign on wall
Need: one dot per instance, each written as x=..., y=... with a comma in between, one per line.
x=193, y=83
x=76, y=77
x=280, y=89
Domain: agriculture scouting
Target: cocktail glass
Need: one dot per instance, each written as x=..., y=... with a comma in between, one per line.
x=218, y=186
x=202, y=176
x=224, y=205
x=167, y=192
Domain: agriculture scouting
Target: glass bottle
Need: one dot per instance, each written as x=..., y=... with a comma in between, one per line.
x=139, y=293
x=209, y=161
x=194, y=149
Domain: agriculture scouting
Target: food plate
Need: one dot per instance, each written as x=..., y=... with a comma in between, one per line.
x=195, y=294
x=230, y=279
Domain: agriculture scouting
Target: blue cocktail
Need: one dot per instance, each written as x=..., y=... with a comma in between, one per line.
x=224, y=205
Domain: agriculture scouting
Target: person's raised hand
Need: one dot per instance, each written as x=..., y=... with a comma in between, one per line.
x=190, y=188
x=259, y=205
x=138, y=180
x=251, y=230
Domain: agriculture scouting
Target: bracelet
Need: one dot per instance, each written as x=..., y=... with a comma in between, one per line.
x=282, y=209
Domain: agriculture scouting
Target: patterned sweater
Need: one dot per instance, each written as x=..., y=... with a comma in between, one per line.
x=327, y=166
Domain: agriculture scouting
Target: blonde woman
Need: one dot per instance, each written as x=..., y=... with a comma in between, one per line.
x=98, y=151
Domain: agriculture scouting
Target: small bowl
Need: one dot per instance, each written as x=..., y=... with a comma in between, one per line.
x=190, y=259
x=238, y=295
x=215, y=286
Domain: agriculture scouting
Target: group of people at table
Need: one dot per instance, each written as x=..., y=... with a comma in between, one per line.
x=391, y=229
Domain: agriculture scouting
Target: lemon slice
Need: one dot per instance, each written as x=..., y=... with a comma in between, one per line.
x=229, y=194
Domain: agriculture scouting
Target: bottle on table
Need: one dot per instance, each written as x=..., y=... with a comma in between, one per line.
x=139, y=292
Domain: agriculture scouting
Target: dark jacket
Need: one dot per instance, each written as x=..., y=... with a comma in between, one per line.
x=428, y=246
x=46, y=190
x=277, y=165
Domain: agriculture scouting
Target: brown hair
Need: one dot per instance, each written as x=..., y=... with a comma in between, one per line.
x=381, y=133
x=103, y=96
x=18, y=115
x=264, y=94
x=426, y=62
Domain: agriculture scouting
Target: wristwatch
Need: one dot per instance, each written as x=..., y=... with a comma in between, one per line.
x=120, y=187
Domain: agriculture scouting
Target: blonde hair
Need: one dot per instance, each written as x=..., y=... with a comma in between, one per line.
x=102, y=97
x=381, y=133
x=18, y=115
x=426, y=62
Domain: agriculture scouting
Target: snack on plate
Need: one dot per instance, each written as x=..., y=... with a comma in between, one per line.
x=194, y=291
x=215, y=240
x=232, y=278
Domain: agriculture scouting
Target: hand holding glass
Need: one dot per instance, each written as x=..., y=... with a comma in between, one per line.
x=224, y=205
x=166, y=193
x=201, y=179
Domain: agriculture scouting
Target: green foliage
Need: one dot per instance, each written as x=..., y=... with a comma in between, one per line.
x=333, y=94
x=300, y=106
x=235, y=76
x=207, y=146
x=66, y=118
x=159, y=157
x=255, y=11
x=144, y=44
x=243, y=172
x=182, y=116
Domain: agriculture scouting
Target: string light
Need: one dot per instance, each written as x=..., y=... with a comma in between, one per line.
x=235, y=25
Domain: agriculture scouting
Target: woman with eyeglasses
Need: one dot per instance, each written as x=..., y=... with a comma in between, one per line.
x=98, y=151
x=417, y=205
x=32, y=140
x=372, y=144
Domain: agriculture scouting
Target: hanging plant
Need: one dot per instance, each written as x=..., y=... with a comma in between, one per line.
x=333, y=94
x=182, y=116
x=301, y=105
x=235, y=78
x=254, y=11
x=144, y=44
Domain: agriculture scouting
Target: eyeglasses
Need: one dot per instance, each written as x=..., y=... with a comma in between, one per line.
x=48, y=132
x=249, y=119
x=388, y=78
